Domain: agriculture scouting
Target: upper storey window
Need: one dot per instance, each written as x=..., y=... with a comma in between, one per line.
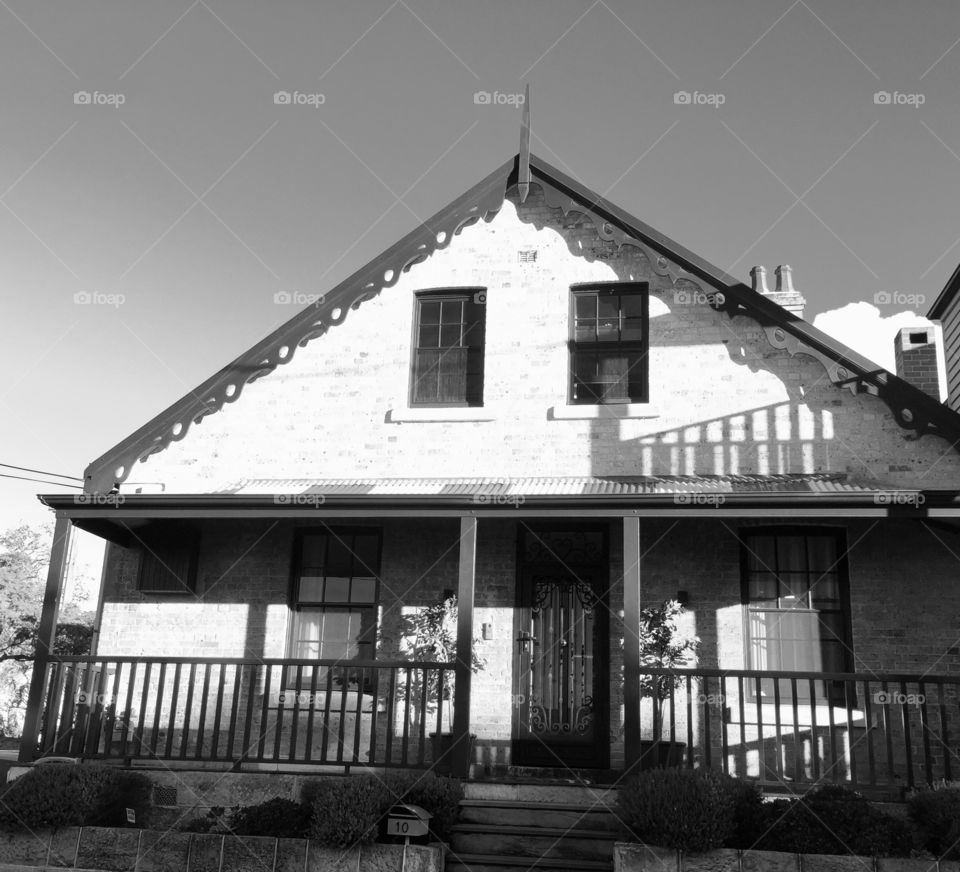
x=447, y=365
x=608, y=343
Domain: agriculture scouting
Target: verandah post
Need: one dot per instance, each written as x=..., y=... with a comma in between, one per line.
x=462, y=669
x=46, y=634
x=631, y=641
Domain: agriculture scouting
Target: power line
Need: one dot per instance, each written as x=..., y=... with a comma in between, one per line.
x=39, y=480
x=40, y=471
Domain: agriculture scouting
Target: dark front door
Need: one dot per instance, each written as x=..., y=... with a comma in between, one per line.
x=561, y=648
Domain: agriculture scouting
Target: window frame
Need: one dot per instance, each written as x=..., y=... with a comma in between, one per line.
x=458, y=294
x=156, y=543
x=642, y=346
x=368, y=636
x=834, y=692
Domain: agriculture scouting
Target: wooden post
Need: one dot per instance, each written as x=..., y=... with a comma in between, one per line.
x=46, y=635
x=631, y=641
x=463, y=669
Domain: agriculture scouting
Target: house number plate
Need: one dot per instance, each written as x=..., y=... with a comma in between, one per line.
x=406, y=827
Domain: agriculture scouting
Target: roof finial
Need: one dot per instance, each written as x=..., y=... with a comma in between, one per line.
x=523, y=176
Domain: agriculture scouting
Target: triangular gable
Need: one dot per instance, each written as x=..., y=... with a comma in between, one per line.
x=911, y=407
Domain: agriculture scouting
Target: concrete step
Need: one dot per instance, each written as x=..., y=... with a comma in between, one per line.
x=500, y=863
x=572, y=794
x=538, y=814
x=553, y=843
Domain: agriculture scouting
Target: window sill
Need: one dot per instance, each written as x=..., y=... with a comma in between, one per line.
x=587, y=412
x=417, y=414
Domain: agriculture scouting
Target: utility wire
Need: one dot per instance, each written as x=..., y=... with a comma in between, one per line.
x=40, y=480
x=40, y=471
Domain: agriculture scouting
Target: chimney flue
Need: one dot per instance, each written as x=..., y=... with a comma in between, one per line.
x=759, y=276
x=915, y=353
x=784, y=279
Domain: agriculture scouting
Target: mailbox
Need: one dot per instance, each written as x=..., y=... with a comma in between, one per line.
x=408, y=821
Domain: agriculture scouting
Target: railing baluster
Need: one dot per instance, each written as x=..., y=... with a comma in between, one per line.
x=202, y=722
x=188, y=712
x=868, y=725
x=325, y=733
x=234, y=707
x=848, y=697
x=314, y=675
x=706, y=728
x=295, y=715
x=761, y=740
x=797, y=735
x=158, y=709
x=375, y=705
x=139, y=734
x=834, y=760
x=359, y=719
x=406, y=719
x=342, y=729
x=925, y=731
x=887, y=730
x=741, y=693
x=905, y=717
x=424, y=688
x=777, y=729
x=248, y=717
x=814, y=739
x=281, y=699
x=944, y=732
x=264, y=712
x=391, y=717
x=724, y=743
x=53, y=708
x=174, y=701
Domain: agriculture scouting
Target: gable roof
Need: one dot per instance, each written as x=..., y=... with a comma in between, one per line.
x=912, y=408
x=946, y=297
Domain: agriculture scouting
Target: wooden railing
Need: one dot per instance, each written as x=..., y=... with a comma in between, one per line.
x=790, y=730
x=342, y=713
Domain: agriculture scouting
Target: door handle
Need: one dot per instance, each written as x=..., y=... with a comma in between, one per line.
x=524, y=639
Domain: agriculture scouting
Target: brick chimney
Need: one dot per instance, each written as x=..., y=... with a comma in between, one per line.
x=785, y=295
x=915, y=351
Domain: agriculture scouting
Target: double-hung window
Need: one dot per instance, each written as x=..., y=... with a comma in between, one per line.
x=447, y=365
x=608, y=343
x=335, y=589
x=797, y=607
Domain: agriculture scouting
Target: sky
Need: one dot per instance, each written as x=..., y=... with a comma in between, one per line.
x=156, y=194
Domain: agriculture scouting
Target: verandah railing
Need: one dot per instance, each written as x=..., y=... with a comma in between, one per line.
x=789, y=730
x=359, y=712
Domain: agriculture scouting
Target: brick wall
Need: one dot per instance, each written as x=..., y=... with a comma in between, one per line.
x=722, y=399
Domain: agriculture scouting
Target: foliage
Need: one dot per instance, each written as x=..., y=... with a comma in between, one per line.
x=686, y=809
x=24, y=553
x=433, y=633
x=664, y=644
x=213, y=821
x=281, y=818
x=65, y=794
x=936, y=814
x=351, y=811
x=437, y=794
x=748, y=811
x=833, y=820
x=347, y=812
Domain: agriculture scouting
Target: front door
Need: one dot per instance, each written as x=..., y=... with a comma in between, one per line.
x=561, y=648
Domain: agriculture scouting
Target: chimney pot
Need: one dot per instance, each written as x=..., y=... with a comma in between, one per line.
x=784, y=279
x=759, y=275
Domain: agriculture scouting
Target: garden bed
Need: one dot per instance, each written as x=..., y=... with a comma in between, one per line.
x=115, y=849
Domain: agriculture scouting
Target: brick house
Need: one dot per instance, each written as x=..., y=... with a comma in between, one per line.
x=538, y=403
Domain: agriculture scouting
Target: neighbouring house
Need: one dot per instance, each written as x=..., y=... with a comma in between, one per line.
x=542, y=406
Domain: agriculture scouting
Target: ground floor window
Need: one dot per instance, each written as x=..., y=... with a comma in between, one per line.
x=335, y=594
x=797, y=605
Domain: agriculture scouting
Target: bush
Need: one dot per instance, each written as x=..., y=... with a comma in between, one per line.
x=937, y=816
x=65, y=794
x=281, y=818
x=686, y=809
x=833, y=820
x=437, y=794
x=347, y=812
x=746, y=799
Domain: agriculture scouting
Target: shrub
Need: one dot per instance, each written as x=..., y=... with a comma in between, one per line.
x=833, y=820
x=687, y=809
x=437, y=794
x=64, y=794
x=281, y=818
x=746, y=799
x=347, y=812
x=937, y=816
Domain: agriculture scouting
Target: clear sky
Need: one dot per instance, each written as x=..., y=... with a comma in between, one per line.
x=146, y=229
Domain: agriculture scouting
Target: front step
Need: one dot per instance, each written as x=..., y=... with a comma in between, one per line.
x=516, y=827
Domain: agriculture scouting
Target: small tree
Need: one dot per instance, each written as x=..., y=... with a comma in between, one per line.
x=664, y=644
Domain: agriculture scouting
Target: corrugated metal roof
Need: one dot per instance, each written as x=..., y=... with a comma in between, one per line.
x=553, y=486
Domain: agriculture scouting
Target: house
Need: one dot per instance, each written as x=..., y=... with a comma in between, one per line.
x=544, y=406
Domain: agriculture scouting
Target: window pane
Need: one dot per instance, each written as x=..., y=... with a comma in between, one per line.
x=632, y=330
x=307, y=627
x=429, y=337
x=450, y=335
x=794, y=590
x=826, y=590
x=761, y=553
x=311, y=588
x=763, y=589
x=586, y=330
x=608, y=330
x=792, y=553
x=365, y=553
x=364, y=590
x=631, y=305
x=429, y=312
x=451, y=312
x=585, y=305
x=473, y=333
x=608, y=307
x=338, y=589
x=313, y=550
x=822, y=551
